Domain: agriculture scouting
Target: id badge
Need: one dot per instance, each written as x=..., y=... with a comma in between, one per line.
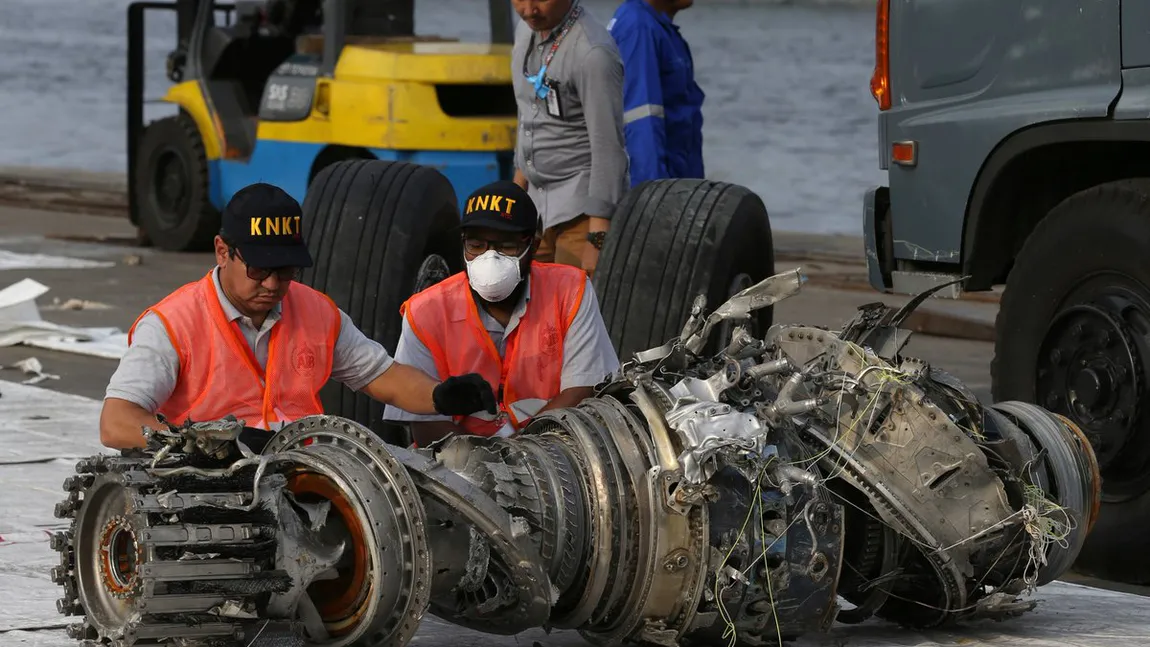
x=554, y=107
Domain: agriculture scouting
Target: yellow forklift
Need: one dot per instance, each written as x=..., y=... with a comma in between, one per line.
x=380, y=134
x=276, y=90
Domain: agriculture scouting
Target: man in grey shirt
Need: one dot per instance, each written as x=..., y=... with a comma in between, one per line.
x=571, y=153
x=207, y=350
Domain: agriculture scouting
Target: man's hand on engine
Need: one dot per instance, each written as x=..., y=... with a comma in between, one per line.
x=462, y=395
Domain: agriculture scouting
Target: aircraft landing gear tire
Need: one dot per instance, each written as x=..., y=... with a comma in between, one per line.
x=1073, y=335
x=671, y=240
x=378, y=232
x=175, y=213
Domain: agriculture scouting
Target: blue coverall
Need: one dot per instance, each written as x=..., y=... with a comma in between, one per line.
x=662, y=104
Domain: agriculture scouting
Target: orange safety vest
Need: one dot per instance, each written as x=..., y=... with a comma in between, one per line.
x=219, y=374
x=446, y=319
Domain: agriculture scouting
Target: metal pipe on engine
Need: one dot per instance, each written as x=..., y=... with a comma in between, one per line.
x=664, y=449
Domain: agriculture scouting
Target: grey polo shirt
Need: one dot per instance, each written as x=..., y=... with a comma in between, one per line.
x=576, y=164
x=588, y=355
x=148, y=371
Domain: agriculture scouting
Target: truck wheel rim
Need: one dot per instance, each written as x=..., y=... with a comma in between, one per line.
x=1091, y=368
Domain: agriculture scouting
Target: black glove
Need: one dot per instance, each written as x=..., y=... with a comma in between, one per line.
x=463, y=395
x=255, y=438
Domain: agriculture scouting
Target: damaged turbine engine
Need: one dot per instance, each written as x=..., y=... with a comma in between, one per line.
x=744, y=497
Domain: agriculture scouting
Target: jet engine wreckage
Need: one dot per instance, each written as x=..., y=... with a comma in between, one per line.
x=745, y=497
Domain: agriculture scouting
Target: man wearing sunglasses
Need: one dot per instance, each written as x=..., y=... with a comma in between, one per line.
x=249, y=341
x=533, y=329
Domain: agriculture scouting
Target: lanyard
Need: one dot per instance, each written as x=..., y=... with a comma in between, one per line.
x=537, y=79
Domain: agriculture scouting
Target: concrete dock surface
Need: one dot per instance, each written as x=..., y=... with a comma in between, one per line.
x=45, y=428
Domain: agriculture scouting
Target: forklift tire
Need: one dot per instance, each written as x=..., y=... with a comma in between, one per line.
x=671, y=240
x=378, y=232
x=1073, y=335
x=175, y=211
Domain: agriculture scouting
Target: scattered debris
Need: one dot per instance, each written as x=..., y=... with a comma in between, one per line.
x=77, y=304
x=21, y=323
x=32, y=366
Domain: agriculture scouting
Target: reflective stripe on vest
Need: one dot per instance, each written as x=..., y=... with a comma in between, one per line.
x=219, y=374
x=446, y=319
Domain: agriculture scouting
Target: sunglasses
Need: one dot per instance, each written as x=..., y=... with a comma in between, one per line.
x=476, y=246
x=261, y=274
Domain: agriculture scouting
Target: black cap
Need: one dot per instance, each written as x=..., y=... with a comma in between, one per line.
x=503, y=206
x=263, y=222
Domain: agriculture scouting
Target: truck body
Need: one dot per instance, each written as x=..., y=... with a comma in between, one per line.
x=1015, y=136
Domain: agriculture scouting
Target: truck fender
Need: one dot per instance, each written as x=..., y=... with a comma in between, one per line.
x=985, y=248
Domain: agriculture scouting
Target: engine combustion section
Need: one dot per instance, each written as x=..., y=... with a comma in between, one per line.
x=748, y=497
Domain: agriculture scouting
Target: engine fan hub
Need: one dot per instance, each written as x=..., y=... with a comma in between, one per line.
x=342, y=601
x=120, y=557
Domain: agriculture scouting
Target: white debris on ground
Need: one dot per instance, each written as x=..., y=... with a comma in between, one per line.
x=21, y=323
x=32, y=366
x=43, y=433
x=20, y=261
x=76, y=304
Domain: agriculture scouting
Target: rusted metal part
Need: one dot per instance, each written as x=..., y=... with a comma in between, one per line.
x=343, y=598
x=1093, y=468
x=402, y=569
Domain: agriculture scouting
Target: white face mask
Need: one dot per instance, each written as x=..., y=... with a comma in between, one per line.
x=494, y=276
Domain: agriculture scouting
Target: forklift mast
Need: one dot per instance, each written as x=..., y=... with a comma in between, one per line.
x=185, y=20
x=192, y=17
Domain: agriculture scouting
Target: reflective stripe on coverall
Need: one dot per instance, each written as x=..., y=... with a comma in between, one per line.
x=662, y=104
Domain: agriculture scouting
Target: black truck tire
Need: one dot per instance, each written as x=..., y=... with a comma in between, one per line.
x=1073, y=335
x=671, y=240
x=378, y=232
x=172, y=186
